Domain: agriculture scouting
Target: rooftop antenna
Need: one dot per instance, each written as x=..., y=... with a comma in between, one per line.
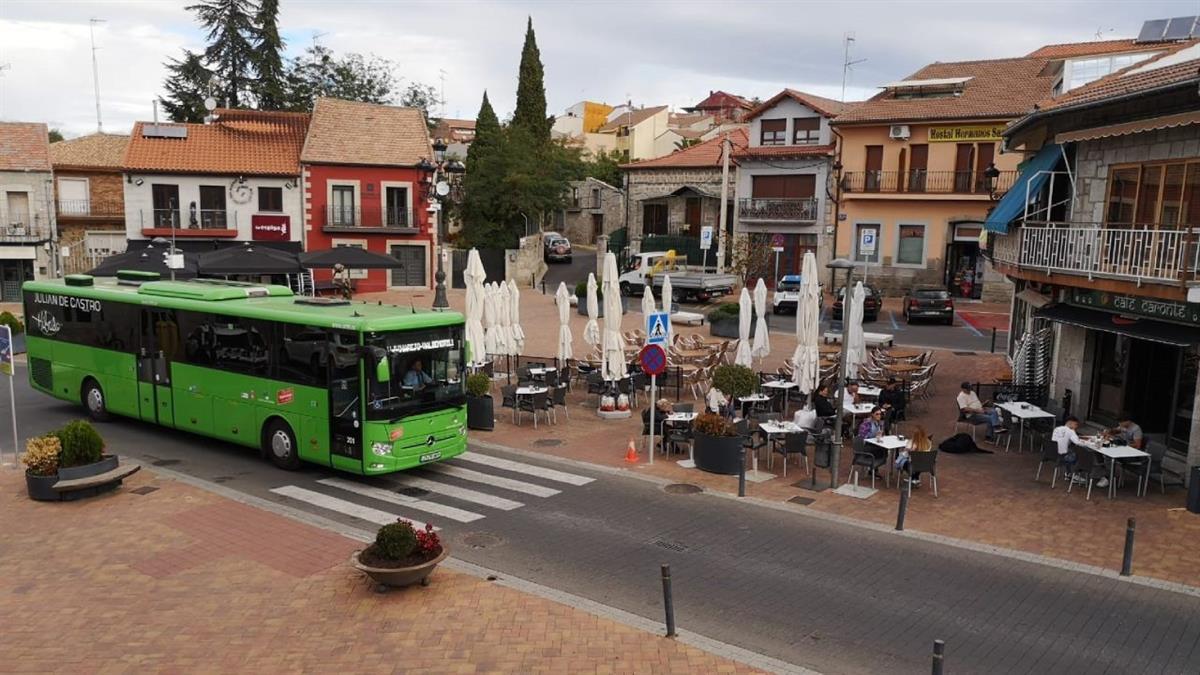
x=3, y=67
x=846, y=62
x=96, y=71
x=155, y=104
x=317, y=36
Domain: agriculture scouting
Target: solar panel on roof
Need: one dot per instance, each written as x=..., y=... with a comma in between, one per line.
x=1180, y=28
x=164, y=131
x=1152, y=31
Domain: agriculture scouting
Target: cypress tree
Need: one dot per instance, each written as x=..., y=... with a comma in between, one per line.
x=229, y=54
x=187, y=87
x=530, y=113
x=486, y=209
x=270, y=89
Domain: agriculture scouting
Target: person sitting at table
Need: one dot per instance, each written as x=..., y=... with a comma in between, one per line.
x=716, y=400
x=416, y=377
x=850, y=394
x=920, y=442
x=1127, y=431
x=893, y=401
x=807, y=418
x=1066, y=439
x=663, y=407
x=975, y=412
x=872, y=427
x=821, y=403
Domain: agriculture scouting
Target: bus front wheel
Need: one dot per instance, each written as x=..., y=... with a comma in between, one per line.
x=93, y=400
x=279, y=443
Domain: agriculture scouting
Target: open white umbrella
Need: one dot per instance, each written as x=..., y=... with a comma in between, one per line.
x=591, y=332
x=666, y=293
x=852, y=333
x=762, y=340
x=648, y=307
x=514, y=314
x=491, y=340
x=806, y=358
x=744, y=355
x=614, y=344
x=474, y=276
x=563, y=299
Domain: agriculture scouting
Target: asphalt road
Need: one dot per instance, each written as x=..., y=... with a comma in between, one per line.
x=825, y=595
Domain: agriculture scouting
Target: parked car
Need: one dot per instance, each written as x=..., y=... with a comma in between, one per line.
x=929, y=302
x=787, y=295
x=872, y=302
x=557, y=249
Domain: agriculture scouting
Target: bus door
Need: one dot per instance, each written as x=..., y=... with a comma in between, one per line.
x=345, y=403
x=160, y=341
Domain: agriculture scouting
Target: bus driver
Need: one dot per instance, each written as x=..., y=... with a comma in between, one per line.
x=416, y=377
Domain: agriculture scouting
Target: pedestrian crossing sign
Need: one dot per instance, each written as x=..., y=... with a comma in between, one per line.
x=658, y=328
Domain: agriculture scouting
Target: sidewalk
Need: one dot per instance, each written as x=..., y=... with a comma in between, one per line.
x=162, y=576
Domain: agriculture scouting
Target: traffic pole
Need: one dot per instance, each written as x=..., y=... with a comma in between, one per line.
x=668, y=603
x=939, y=656
x=653, y=409
x=1127, y=559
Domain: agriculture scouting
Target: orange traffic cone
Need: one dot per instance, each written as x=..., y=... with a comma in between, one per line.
x=631, y=454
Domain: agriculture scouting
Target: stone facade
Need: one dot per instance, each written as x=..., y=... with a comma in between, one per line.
x=594, y=208
x=659, y=185
x=1093, y=160
x=525, y=264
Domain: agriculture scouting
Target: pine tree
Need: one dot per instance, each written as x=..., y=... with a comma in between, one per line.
x=230, y=53
x=485, y=209
x=268, y=57
x=187, y=87
x=530, y=113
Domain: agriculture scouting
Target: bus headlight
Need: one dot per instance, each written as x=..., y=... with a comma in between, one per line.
x=381, y=449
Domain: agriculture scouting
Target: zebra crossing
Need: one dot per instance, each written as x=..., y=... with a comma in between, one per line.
x=461, y=490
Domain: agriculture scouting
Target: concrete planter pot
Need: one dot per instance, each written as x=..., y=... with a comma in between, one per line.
x=41, y=488
x=728, y=328
x=581, y=306
x=718, y=454
x=481, y=413
x=399, y=577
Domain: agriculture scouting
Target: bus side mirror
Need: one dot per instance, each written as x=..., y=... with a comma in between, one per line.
x=383, y=370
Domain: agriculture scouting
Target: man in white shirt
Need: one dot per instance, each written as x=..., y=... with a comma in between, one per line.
x=850, y=394
x=975, y=412
x=1064, y=437
x=716, y=400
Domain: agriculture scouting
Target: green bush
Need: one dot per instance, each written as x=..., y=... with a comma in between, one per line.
x=478, y=385
x=725, y=310
x=396, y=541
x=81, y=444
x=734, y=381
x=8, y=319
x=581, y=290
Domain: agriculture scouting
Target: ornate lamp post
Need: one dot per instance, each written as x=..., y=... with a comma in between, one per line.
x=992, y=175
x=441, y=191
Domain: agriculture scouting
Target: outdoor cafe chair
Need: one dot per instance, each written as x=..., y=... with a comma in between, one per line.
x=795, y=443
x=508, y=399
x=534, y=404
x=595, y=383
x=1157, y=470
x=867, y=458
x=1050, y=456
x=1007, y=419
x=963, y=420
x=683, y=407
x=559, y=400
x=922, y=462
x=1086, y=467
x=675, y=436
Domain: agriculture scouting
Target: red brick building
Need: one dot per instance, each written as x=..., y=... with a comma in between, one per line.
x=363, y=188
x=90, y=198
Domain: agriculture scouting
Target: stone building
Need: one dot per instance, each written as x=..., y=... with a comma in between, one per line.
x=593, y=208
x=1105, y=255
x=671, y=198
x=89, y=197
x=26, y=214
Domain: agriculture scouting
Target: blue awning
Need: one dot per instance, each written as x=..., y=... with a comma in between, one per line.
x=1032, y=174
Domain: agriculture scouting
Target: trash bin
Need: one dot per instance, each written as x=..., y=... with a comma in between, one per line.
x=1193, y=499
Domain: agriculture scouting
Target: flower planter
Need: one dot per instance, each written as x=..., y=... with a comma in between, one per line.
x=581, y=306
x=718, y=454
x=728, y=328
x=398, y=577
x=41, y=488
x=481, y=414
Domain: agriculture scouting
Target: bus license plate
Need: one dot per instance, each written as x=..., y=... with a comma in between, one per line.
x=430, y=456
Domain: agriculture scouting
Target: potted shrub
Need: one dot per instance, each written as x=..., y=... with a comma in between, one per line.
x=401, y=555
x=723, y=321
x=581, y=296
x=480, y=410
x=78, y=452
x=717, y=447
x=734, y=381
x=10, y=320
x=41, y=467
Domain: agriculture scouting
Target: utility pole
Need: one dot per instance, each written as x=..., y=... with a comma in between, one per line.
x=96, y=71
x=723, y=216
x=3, y=67
x=442, y=96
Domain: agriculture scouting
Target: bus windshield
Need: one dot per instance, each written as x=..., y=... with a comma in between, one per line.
x=427, y=369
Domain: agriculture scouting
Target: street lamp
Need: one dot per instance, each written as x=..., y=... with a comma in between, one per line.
x=992, y=175
x=835, y=265
x=440, y=190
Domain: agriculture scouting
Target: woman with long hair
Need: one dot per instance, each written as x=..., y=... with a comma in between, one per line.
x=919, y=442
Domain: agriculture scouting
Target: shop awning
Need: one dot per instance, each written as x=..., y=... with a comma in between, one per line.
x=1028, y=185
x=1142, y=329
x=1127, y=128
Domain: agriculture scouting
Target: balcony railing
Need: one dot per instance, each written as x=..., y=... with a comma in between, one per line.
x=798, y=210
x=20, y=231
x=925, y=182
x=90, y=208
x=1139, y=253
x=582, y=203
x=201, y=219
x=361, y=218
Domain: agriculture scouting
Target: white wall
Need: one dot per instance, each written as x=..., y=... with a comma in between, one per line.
x=38, y=190
x=789, y=109
x=139, y=202
x=643, y=135
x=568, y=125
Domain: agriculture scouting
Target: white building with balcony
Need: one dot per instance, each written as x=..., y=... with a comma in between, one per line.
x=782, y=177
x=27, y=229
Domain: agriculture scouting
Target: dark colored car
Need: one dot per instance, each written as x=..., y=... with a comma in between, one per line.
x=929, y=302
x=872, y=302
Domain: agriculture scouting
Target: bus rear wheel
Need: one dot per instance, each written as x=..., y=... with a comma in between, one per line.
x=279, y=444
x=93, y=400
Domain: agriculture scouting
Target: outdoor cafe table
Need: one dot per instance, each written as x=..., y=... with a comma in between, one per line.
x=1024, y=411
x=681, y=417
x=892, y=444
x=779, y=429
x=902, y=353
x=692, y=354
x=781, y=386
x=1113, y=453
x=859, y=409
x=826, y=350
x=868, y=391
x=751, y=399
x=527, y=391
x=903, y=368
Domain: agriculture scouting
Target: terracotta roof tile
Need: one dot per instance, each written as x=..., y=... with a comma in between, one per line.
x=824, y=106
x=630, y=119
x=783, y=151
x=94, y=151
x=701, y=155
x=240, y=142
x=349, y=132
x=721, y=99
x=998, y=89
x=24, y=146
x=1073, y=49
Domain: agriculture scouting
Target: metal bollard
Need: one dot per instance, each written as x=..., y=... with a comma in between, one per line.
x=742, y=472
x=1127, y=561
x=939, y=656
x=668, y=605
x=902, y=510
x=993, y=340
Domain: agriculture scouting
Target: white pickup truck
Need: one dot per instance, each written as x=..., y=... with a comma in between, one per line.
x=686, y=284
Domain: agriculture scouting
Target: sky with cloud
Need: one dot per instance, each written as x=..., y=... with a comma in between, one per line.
x=650, y=52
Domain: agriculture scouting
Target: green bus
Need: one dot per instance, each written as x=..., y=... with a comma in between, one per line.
x=364, y=388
